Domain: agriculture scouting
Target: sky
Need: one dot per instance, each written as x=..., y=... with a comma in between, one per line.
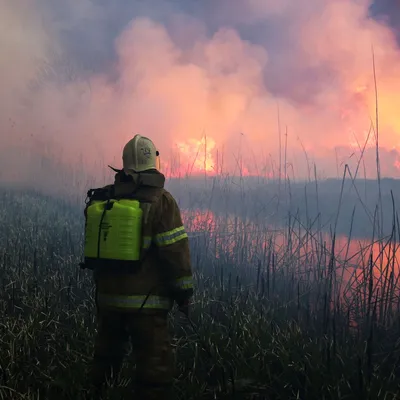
x=222, y=86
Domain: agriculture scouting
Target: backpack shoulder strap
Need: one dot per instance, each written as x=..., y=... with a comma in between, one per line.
x=100, y=194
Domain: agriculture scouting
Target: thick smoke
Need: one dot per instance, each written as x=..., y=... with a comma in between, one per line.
x=81, y=77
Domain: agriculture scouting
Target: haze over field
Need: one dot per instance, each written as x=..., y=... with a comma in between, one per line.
x=256, y=102
x=79, y=78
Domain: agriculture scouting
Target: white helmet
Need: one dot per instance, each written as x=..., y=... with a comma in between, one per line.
x=140, y=155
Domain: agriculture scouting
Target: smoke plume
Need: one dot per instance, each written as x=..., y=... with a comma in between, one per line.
x=218, y=85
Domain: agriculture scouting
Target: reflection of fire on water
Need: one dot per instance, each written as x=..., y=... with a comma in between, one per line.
x=245, y=243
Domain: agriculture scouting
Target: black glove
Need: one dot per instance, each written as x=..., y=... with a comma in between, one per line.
x=183, y=307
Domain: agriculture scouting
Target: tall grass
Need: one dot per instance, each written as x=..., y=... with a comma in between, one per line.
x=277, y=314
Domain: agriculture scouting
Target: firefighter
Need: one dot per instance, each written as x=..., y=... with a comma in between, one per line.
x=134, y=304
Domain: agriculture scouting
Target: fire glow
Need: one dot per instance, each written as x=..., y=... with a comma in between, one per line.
x=198, y=154
x=267, y=104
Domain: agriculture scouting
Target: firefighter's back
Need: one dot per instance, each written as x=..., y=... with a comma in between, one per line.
x=144, y=288
x=134, y=294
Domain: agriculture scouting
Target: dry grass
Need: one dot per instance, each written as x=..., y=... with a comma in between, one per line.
x=272, y=318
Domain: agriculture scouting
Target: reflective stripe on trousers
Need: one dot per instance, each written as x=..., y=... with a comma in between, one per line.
x=134, y=302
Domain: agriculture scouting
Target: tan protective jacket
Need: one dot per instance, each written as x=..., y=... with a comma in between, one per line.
x=166, y=273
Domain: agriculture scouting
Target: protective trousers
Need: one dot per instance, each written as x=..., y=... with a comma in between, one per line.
x=151, y=347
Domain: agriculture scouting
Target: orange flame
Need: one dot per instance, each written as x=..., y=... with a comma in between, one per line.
x=192, y=157
x=198, y=154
